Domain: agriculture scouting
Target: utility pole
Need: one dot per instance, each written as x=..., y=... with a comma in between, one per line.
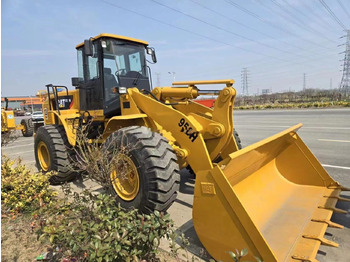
x=172, y=73
x=158, y=78
x=345, y=81
x=244, y=81
x=331, y=84
x=304, y=84
x=31, y=101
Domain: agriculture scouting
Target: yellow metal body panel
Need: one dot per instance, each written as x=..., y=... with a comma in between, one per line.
x=66, y=118
x=270, y=198
x=168, y=118
x=228, y=82
x=164, y=93
x=118, y=122
x=7, y=120
x=47, y=104
x=116, y=37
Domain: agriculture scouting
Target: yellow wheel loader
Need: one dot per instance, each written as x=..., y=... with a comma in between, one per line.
x=8, y=122
x=273, y=197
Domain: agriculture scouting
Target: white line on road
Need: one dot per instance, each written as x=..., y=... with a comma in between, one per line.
x=9, y=147
x=19, y=153
x=332, y=140
x=18, y=140
x=340, y=167
x=303, y=127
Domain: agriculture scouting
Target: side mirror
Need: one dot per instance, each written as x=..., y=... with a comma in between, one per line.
x=88, y=47
x=76, y=81
x=152, y=52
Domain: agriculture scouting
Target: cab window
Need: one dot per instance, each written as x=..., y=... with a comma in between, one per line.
x=134, y=60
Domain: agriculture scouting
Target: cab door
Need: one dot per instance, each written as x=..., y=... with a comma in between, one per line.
x=91, y=87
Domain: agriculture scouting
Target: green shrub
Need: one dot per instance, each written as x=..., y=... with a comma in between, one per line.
x=83, y=226
x=22, y=190
x=93, y=228
x=285, y=105
x=345, y=104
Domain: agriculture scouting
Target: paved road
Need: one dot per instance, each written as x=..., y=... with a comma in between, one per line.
x=326, y=132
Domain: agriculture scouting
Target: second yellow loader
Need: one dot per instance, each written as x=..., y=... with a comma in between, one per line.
x=8, y=123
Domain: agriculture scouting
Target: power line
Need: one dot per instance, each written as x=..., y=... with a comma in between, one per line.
x=262, y=70
x=297, y=21
x=251, y=28
x=195, y=33
x=231, y=19
x=307, y=16
x=332, y=14
x=270, y=23
x=343, y=8
x=220, y=28
x=188, y=31
x=311, y=10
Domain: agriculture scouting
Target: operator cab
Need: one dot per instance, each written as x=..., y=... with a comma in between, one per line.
x=107, y=62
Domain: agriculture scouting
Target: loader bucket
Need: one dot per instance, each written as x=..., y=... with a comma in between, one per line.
x=273, y=198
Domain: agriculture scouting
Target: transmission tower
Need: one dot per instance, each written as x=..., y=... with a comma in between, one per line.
x=158, y=78
x=345, y=81
x=244, y=81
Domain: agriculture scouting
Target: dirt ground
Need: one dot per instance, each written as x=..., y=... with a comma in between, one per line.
x=18, y=243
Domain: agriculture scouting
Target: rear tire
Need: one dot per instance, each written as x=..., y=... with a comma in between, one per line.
x=36, y=126
x=156, y=164
x=53, y=153
x=237, y=139
x=28, y=128
x=239, y=145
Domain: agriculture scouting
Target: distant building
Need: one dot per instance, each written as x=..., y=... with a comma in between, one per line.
x=266, y=91
x=23, y=103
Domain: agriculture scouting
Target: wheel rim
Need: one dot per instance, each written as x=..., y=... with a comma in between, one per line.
x=125, y=178
x=44, y=156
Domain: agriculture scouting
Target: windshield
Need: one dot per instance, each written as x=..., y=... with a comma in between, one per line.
x=120, y=58
x=124, y=65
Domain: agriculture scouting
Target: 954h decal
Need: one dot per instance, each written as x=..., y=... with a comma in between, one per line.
x=185, y=127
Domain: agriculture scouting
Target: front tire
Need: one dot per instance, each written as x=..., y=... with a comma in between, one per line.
x=153, y=178
x=237, y=139
x=52, y=153
x=27, y=125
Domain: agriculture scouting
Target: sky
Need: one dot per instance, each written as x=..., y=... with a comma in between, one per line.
x=278, y=41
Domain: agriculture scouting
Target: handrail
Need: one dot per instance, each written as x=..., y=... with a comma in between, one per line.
x=228, y=82
x=55, y=95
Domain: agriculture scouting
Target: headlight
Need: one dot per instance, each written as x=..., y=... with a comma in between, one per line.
x=122, y=90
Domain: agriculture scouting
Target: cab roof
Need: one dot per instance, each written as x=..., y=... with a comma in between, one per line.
x=115, y=37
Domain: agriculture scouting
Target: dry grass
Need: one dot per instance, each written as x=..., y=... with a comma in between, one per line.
x=8, y=137
x=97, y=161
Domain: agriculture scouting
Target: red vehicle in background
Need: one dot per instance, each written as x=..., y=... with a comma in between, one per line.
x=206, y=102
